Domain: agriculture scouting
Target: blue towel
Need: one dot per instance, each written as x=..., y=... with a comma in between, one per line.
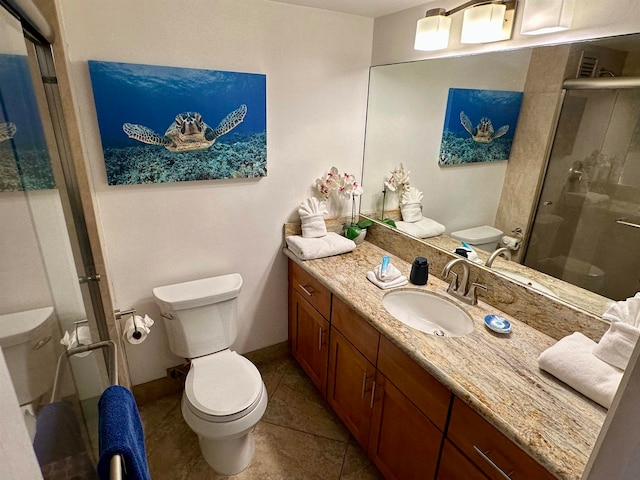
x=121, y=433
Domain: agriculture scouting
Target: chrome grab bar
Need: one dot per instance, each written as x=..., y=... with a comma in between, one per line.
x=115, y=470
x=623, y=221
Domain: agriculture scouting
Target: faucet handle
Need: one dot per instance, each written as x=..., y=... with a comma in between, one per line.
x=472, y=294
x=454, y=281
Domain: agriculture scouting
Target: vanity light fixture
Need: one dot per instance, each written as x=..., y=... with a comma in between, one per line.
x=484, y=21
x=546, y=16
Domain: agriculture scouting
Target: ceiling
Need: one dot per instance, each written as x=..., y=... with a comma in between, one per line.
x=364, y=8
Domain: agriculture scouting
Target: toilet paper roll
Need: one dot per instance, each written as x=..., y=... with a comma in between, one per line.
x=512, y=243
x=137, y=332
x=77, y=337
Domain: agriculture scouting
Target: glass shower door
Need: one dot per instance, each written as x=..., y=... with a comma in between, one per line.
x=587, y=226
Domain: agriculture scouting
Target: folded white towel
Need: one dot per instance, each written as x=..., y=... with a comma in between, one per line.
x=411, y=205
x=392, y=273
x=310, y=248
x=571, y=360
x=627, y=311
x=617, y=344
x=398, y=282
x=312, y=212
x=423, y=228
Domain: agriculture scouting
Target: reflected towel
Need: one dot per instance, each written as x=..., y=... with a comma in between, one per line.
x=121, y=433
x=327, y=246
x=398, y=282
x=58, y=433
x=617, y=344
x=572, y=361
x=627, y=311
x=424, y=228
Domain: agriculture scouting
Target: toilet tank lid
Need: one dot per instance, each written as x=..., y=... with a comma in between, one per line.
x=19, y=327
x=197, y=293
x=478, y=235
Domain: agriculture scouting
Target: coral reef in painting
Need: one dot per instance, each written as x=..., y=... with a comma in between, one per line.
x=457, y=148
x=239, y=156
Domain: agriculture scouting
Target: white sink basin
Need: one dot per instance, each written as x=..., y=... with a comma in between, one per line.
x=428, y=312
x=523, y=279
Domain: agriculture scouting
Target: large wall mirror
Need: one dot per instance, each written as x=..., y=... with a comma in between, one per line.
x=577, y=149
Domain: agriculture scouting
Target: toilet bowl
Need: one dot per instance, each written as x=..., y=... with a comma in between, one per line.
x=224, y=396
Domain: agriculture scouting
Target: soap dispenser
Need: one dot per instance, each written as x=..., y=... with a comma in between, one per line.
x=419, y=271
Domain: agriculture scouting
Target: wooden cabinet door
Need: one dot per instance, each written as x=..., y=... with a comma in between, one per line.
x=404, y=444
x=455, y=466
x=309, y=339
x=350, y=386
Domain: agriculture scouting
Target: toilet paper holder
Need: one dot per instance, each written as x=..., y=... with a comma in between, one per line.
x=137, y=334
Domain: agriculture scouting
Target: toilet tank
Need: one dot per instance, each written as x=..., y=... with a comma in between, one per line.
x=484, y=237
x=26, y=339
x=200, y=315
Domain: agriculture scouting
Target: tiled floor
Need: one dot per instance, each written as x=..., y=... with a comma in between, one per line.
x=299, y=437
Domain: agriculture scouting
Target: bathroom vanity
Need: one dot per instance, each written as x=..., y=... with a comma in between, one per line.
x=424, y=406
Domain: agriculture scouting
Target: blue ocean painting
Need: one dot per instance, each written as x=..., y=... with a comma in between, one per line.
x=169, y=124
x=24, y=158
x=479, y=126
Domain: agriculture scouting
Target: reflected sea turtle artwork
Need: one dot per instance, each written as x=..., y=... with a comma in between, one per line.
x=483, y=132
x=134, y=103
x=462, y=142
x=7, y=131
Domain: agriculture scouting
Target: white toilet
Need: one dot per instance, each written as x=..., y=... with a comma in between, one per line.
x=224, y=396
x=484, y=237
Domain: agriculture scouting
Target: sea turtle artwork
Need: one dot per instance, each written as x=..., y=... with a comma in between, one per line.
x=7, y=131
x=483, y=132
x=188, y=132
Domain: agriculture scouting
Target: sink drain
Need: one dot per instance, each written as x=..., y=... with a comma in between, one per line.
x=439, y=333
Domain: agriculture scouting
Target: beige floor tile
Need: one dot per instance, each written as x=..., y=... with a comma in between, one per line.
x=282, y=453
x=357, y=466
x=297, y=404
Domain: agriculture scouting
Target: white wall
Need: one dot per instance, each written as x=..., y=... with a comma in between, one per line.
x=316, y=64
x=394, y=34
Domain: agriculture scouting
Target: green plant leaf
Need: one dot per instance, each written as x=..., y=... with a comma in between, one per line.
x=352, y=231
x=389, y=222
x=364, y=223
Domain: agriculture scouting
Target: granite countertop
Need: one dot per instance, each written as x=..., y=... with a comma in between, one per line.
x=497, y=375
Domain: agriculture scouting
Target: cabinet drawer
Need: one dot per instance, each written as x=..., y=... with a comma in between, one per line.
x=310, y=289
x=362, y=335
x=489, y=449
x=454, y=465
x=429, y=395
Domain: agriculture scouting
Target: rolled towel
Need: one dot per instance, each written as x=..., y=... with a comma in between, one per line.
x=392, y=273
x=312, y=212
x=571, y=360
x=617, y=344
x=327, y=246
x=627, y=311
x=424, y=228
x=398, y=282
x=411, y=205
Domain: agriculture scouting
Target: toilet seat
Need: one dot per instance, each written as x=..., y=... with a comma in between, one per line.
x=222, y=387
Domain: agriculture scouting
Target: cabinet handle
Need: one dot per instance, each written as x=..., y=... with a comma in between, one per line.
x=624, y=221
x=492, y=463
x=373, y=394
x=305, y=290
x=320, y=332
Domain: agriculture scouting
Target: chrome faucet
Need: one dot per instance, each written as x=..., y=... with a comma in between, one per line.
x=461, y=289
x=503, y=251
